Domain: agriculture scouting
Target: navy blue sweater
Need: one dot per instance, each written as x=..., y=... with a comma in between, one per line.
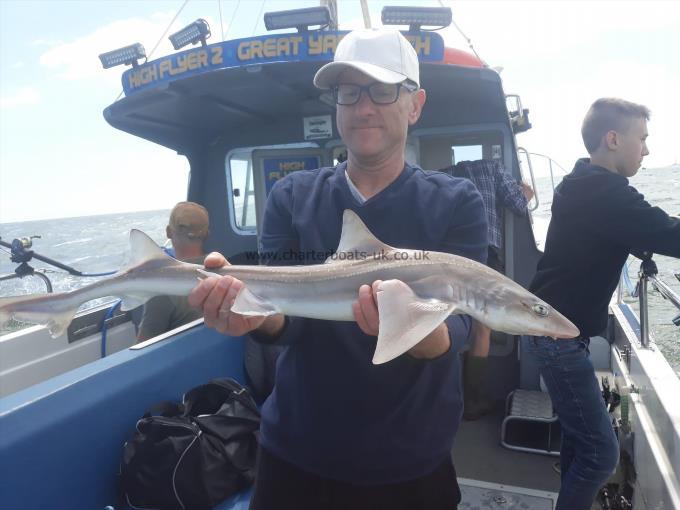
x=598, y=219
x=333, y=412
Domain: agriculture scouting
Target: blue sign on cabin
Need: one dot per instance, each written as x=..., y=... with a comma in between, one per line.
x=295, y=47
x=275, y=168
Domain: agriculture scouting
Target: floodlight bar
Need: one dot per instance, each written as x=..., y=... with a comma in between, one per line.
x=301, y=19
x=127, y=55
x=198, y=31
x=416, y=17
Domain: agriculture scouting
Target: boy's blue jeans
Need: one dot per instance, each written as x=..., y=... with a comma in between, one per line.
x=590, y=449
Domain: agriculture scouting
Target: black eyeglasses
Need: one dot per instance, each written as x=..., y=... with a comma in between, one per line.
x=347, y=94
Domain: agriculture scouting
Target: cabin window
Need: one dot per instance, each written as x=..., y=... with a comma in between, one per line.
x=339, y=154
x=466, y=153
x=246, y=185
x=242, y=190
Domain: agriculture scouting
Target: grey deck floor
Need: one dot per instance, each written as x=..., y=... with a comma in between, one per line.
x=478, y=455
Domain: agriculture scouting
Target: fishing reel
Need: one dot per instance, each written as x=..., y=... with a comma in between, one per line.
x=21, y=254
x=21, y=251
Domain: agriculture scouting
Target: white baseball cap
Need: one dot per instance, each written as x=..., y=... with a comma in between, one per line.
x=385, y=55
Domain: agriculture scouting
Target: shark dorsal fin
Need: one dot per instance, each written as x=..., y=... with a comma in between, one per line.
x=356, y=240
x=143, y=248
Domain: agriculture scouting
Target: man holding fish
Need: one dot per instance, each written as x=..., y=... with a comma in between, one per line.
x=338, y=431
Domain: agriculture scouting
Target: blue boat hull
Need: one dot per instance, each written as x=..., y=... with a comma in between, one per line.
x=61, y=441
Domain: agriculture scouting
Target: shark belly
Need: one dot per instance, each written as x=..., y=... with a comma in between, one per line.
x=313, y=300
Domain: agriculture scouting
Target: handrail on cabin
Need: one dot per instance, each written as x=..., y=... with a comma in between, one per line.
x=551, y=161
x=533, y=180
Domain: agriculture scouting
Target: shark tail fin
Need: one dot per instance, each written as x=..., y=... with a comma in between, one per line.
x=55, y=311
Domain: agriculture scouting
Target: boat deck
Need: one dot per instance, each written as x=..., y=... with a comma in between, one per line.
x=478, y=455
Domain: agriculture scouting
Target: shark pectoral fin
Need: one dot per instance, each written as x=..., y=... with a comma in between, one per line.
x=132, y=301
x=58, y=324
x=247, y=303
x=405, y=319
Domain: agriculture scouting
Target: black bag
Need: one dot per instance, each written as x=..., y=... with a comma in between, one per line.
x=196, y=454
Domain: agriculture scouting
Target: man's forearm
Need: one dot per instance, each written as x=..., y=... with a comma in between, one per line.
x=271, y=327
x=433, y=345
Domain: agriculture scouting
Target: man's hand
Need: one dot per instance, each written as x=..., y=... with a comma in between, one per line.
x=365, y=310
x=215, y=295
x=527, y=190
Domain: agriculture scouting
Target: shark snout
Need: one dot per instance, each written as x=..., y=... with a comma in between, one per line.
x=558, y=326
x=566, y=329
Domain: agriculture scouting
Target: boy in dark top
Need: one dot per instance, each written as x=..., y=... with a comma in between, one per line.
x=598, y=220
x=338, y=431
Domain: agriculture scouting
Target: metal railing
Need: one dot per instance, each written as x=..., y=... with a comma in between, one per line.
x=551, y=162
x=649, y=272
x=531, y=174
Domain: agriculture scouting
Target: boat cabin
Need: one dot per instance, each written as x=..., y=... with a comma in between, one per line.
x=245, y=113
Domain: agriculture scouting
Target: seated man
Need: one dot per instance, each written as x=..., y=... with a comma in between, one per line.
x=187, y=229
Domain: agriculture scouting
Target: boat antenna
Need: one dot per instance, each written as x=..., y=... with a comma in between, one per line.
x=333, y=9
x=161, y=37
x=233, y=16
x=366, y=14
x=167, y=29
x=469, y=41
x=219, y=7
x=259, y=16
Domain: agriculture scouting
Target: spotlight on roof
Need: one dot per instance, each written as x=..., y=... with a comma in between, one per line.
x=198, y=31
x=127, y=55
x=301, y=19
x=416, y=17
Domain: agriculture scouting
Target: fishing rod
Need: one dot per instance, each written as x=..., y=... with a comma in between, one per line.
x=21, y=253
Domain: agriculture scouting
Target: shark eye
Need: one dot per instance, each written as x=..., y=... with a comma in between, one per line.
x=541, y=310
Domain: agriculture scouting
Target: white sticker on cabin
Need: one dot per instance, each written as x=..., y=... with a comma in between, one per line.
x=495, y=152
x=318, y=127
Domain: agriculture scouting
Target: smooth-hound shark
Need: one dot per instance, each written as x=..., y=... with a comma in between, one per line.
x=418, y=290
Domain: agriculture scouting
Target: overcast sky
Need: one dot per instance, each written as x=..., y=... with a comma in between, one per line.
x=58, y=157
